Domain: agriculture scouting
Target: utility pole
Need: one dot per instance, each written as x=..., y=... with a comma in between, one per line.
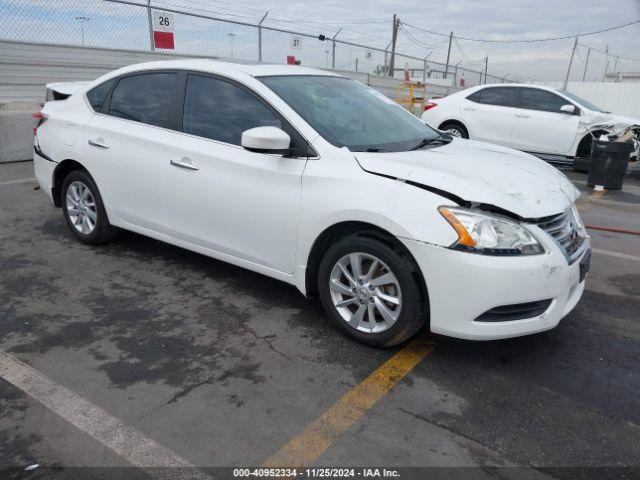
x=260, y=36
x=394, y=37
x=615, y=66
x=151, y=42
x=486, y=66
x=446, y=67
x=573, y=52
x=586, y=64
x=333, y=49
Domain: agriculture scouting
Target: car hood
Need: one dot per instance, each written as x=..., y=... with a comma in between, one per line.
x=618, y=122
x=480, y=173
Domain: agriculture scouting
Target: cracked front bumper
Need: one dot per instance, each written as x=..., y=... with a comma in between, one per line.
x=462, y=286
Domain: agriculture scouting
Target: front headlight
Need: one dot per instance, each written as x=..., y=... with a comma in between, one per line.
x=488, y=234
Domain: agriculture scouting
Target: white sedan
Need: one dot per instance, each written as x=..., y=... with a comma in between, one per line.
x=551, y=123
x=317, y=180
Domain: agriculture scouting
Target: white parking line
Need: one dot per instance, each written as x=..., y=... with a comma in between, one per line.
x=626, y=256
x=136, y=448
x=21, y=180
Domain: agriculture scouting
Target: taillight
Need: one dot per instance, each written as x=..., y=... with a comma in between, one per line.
x=429, y=105
x=41, y=117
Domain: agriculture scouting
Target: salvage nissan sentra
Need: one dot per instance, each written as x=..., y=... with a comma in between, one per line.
x=324, y=183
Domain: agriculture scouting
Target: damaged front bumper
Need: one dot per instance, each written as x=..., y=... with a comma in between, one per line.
x=464, y=288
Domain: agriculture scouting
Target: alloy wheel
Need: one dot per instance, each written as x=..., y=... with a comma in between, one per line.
x=365, y=292
x=81, y=208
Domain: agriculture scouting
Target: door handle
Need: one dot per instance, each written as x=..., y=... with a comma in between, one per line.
x=98, y=143
x=184, y=163
x=521, y=115
x=470, y=109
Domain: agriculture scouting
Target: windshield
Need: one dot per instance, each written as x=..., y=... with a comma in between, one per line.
x=581, y=101
x=348, y=113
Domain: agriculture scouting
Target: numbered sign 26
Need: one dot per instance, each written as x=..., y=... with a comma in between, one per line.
x=163, y=29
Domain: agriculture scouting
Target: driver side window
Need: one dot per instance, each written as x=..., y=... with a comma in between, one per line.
x=535, y=99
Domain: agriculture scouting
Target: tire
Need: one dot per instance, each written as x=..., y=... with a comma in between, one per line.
x=455, y=129
x=411, y=311
x=90, y=225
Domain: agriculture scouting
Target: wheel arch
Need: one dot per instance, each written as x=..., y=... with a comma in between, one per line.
x=64, y=168
x=584, y=145
x=340, y=230
x=454, y=121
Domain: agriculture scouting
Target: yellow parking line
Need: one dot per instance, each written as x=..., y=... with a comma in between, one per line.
x=304, y=449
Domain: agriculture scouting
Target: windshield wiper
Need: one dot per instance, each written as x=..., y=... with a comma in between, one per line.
x=430, y=141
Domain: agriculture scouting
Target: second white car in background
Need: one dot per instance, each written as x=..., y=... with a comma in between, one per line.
x=548, y=122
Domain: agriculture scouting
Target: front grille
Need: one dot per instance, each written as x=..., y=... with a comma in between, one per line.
x=563, y=229
x=517, y=311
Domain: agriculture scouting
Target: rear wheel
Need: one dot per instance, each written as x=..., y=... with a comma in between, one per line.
x=83, y=209
x=371, y=291
x=455, y=129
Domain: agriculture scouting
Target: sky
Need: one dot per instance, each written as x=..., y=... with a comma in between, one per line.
x=368, y=23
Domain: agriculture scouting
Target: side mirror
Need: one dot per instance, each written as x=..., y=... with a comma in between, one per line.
x=568, y=108
x=265, y=140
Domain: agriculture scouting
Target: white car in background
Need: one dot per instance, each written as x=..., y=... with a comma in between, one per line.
x=551, y=123
x=318, y=181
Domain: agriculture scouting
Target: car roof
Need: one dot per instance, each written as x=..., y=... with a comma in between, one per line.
x=225, y=68
x=522, y=85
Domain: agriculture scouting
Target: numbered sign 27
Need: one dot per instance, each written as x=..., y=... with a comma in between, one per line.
x=296, y=42
x=163, y=29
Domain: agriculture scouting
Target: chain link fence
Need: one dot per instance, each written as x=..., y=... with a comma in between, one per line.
x=124, y=24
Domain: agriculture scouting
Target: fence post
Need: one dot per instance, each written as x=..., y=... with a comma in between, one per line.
x=260, y=37
x=333, y=50
x=153, y=48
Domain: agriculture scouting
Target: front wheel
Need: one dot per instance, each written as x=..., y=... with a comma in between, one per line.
x=371, y=291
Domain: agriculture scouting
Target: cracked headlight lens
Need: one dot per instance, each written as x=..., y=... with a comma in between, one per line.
x=488, y=234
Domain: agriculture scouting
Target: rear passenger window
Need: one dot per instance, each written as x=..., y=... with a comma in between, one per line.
x=221, y=111
x=97, y=95
x=535, y=99
x=501, y=96
x=144, y=98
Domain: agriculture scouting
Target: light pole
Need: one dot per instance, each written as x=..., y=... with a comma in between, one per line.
x=327, y=54
x=82, y=21
x=232, y=37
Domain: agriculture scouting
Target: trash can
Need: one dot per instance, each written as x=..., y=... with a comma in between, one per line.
x=609, y=162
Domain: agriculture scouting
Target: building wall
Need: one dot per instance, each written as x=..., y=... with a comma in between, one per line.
x=620, y=98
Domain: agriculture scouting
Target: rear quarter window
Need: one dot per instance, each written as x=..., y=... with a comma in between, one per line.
x=97, y=95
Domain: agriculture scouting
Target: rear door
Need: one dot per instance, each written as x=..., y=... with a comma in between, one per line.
x=540, y=126
x=489, y=114
x=221, y=196
x=128, y=140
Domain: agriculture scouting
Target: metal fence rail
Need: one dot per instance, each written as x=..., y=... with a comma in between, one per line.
x=124, y=24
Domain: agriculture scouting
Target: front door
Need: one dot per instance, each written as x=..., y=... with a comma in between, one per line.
x=540, y=126
x=223, y=197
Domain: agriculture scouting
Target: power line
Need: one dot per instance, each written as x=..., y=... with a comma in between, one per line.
x=464, y=54
x=528, y=40
x=420, y=42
